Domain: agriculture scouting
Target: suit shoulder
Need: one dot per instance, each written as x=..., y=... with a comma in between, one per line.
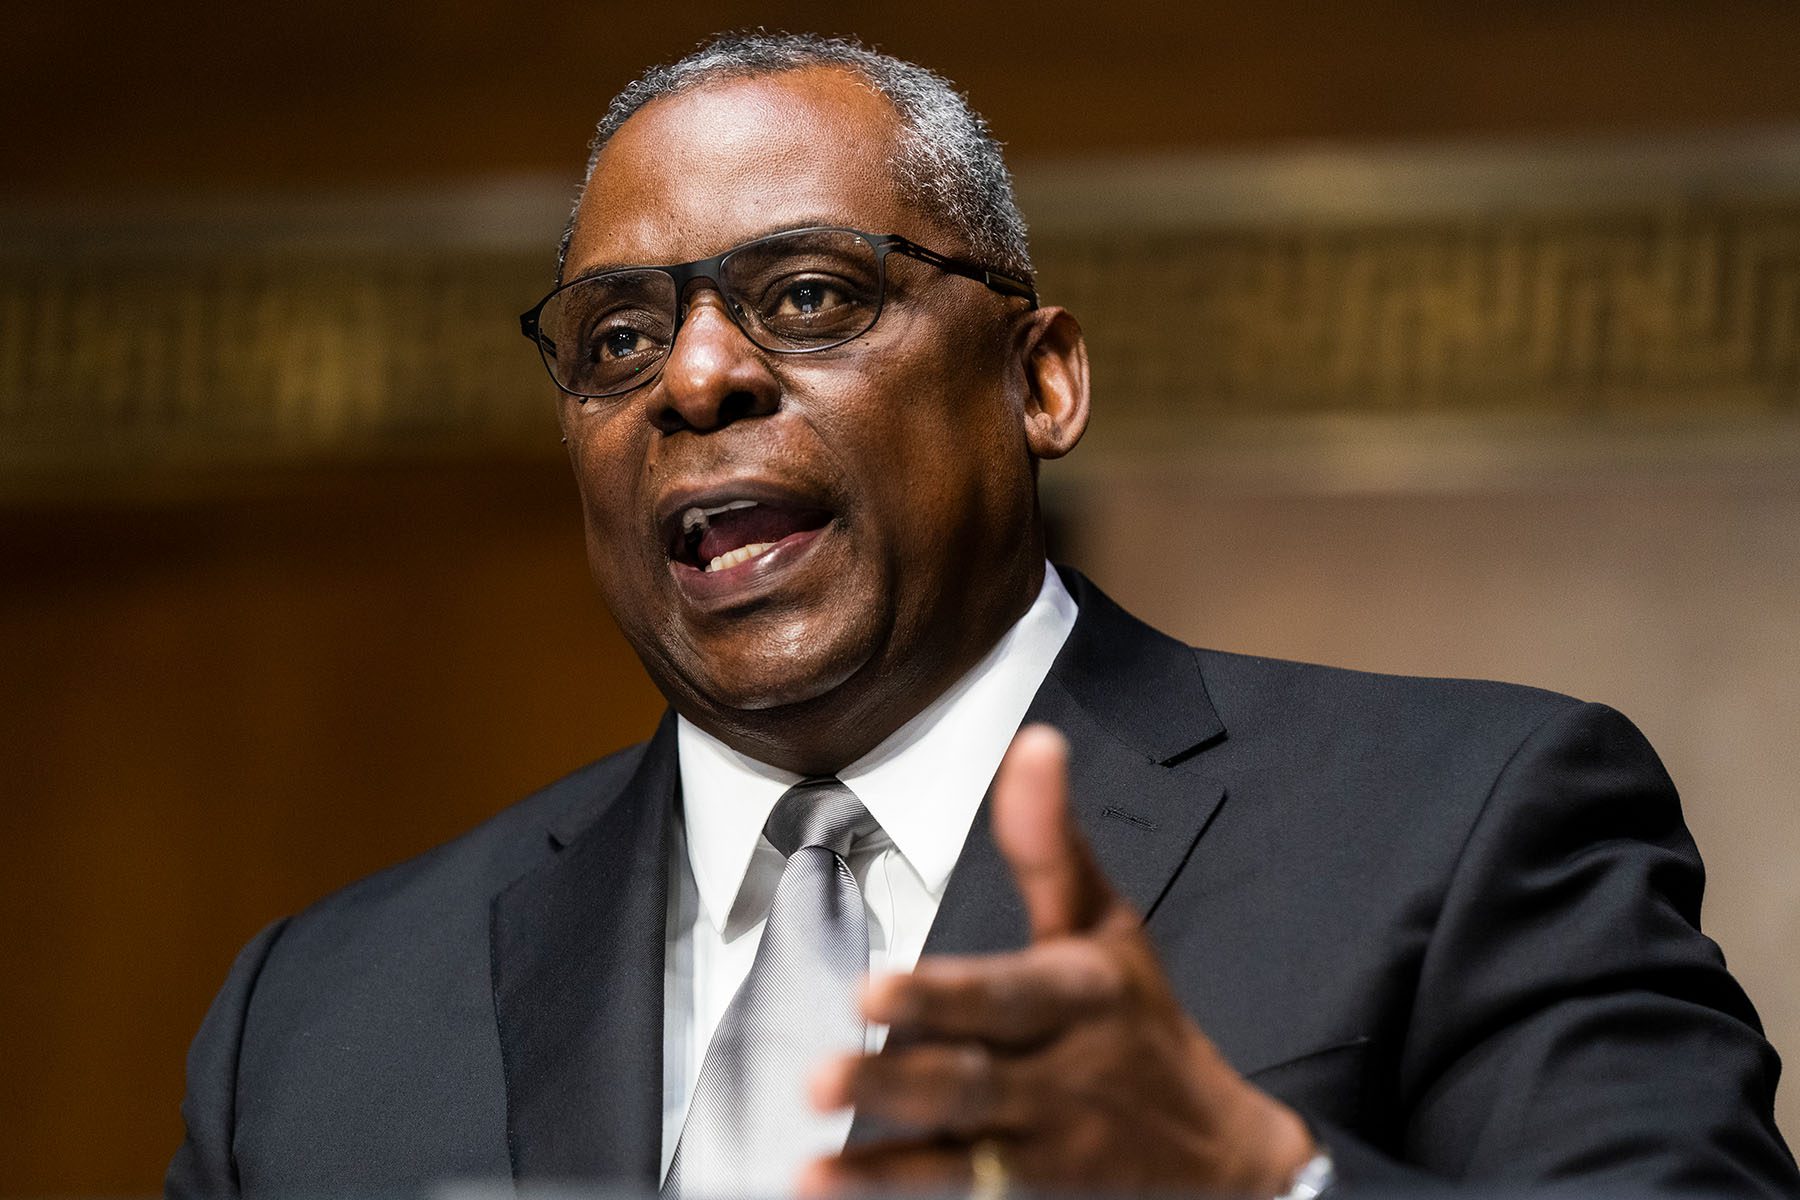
x=1254, y=688
x=469, y=868
x=1386, y=778
x=1352, y=723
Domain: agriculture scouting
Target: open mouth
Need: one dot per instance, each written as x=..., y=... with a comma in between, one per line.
x=729, y=533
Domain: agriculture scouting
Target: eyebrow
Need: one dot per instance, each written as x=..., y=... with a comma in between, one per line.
x=820, y=222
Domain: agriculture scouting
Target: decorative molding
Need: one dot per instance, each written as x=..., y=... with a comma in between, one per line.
x=146, y=360
x=1328, y=185
x=1606, y=316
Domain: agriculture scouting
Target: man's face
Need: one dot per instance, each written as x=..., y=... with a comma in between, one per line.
x=891, y=475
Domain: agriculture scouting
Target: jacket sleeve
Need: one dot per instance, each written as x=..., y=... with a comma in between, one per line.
x=204, y=1167
x=1572, y=1023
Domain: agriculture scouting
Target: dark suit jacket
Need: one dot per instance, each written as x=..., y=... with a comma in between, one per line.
x=1454, y=924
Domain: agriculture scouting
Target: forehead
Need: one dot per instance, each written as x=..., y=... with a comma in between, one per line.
x=694, y=173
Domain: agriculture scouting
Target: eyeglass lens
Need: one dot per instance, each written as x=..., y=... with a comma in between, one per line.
x=791, y=293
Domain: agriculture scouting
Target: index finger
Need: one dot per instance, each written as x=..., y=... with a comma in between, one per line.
x=1007, y=1000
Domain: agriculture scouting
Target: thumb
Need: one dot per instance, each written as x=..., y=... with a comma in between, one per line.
x=1064, y=889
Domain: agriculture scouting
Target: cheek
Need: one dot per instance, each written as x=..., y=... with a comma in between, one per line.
x=606, y=457
x=953, y=488
x=956, y=415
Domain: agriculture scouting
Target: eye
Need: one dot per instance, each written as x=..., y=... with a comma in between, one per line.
x=820, y=302
x=622, y=337
x=807, y=298
x=621, y=341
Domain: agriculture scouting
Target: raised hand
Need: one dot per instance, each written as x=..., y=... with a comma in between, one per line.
x=1070, y=1060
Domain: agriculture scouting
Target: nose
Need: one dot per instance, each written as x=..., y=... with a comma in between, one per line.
x=714, y=374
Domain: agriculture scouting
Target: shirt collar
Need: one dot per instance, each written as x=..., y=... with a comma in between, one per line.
x=924, y=783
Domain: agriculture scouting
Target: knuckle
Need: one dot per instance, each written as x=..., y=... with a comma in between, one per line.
x=1031, y=1096
x=1087, y=1142
x=1102, y=980
x=1006, y=991
x=970, y=1083
x=971, y=1063
x=868, y=1077
x=972, y=989
x=949, y=984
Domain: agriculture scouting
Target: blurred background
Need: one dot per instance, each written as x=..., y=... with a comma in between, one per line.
x=1439, y=338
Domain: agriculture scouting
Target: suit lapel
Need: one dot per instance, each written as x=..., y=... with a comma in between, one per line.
x=1135, y=710
x=577, y=961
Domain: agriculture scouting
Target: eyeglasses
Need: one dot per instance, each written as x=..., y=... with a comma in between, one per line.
x=796, y=292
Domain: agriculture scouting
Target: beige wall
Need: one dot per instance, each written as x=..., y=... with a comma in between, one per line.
x=1671, y=592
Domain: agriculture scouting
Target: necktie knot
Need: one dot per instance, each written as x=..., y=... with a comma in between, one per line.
x=818, y=812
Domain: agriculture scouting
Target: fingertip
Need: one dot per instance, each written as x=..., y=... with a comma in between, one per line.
x=1041, y=738
x=815, y=1180
x=828, y=1088
x=1037, y=749
x=886, y=999
x=874, y=988
x=1030, y=793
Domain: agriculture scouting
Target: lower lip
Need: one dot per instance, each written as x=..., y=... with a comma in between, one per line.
x=747, y=580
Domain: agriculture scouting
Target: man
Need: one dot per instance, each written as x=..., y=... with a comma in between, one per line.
x=1241, y=926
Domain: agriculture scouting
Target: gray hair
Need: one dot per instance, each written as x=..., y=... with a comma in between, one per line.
x=947, y=158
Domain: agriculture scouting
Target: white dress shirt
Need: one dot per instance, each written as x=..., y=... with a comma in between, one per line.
x=923, y=784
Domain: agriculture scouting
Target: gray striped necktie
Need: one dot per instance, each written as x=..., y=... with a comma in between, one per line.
x=750, y=1128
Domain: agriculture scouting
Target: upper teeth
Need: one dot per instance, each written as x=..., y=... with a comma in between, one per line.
x=696, y=518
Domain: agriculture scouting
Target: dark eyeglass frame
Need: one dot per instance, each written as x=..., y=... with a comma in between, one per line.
x=710, y=269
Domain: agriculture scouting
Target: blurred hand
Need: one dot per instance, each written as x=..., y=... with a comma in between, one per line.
x=1072, y=1056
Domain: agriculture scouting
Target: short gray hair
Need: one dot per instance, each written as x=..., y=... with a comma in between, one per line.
x=947, y=158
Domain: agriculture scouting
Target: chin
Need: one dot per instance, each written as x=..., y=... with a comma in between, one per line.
x=791, y=668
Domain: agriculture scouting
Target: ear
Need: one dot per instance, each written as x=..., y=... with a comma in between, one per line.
x=1054, y=356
